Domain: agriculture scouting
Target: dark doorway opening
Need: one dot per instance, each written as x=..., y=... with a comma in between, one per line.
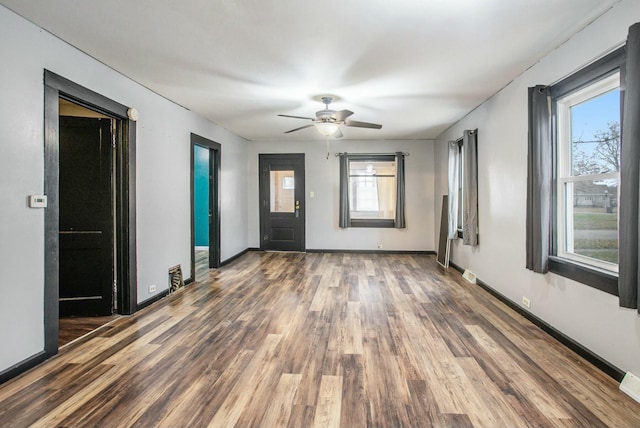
x=86, y=265
x=205, y=205
x=90, y=265
x=282, y=202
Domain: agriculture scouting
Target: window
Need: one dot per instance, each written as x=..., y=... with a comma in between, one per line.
x=372, y=190
x=587, y=119
x=460, y=190
x=369, y=189
x=463, y=188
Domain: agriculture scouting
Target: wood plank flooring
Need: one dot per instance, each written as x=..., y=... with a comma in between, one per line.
x=72, y=328
x=328, y=340
x=201, y=263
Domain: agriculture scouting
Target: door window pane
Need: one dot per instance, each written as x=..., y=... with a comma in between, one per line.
x=282, y=190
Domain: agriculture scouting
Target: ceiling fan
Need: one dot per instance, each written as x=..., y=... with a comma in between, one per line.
x=328, y=122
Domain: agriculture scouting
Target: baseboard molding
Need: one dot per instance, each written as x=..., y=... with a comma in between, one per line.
x=369, y=251
x=237, y=256
x=23, y=366
x=602, y=364
x=152, y=300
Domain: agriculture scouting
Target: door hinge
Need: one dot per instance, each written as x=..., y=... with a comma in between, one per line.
x=115, y=286
x=113, y=140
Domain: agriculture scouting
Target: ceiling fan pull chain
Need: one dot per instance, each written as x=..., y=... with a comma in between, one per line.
x=327, y=147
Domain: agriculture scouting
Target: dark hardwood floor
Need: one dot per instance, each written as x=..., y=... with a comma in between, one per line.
x=297, y=340
x=72, y=328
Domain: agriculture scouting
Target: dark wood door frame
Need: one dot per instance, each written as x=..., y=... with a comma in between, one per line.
x=214, y=202
x=56, y=87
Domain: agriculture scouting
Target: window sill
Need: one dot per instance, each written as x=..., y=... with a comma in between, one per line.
x=372, y=223
x=601, y=280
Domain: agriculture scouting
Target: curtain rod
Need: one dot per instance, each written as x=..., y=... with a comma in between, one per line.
x=373, y=154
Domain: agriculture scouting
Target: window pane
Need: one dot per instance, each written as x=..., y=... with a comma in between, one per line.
x=372, y=190
x=595, y=135
x=282, y=186
x=460, y=177
x=592, y=219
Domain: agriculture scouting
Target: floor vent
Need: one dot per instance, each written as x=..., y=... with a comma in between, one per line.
x=469, y=276
x=175, y=278
x=630, y=385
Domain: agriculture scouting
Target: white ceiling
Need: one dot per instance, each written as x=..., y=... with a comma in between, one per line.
x=415, y=66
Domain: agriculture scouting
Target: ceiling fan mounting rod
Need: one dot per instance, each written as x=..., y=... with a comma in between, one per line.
x=326, y=101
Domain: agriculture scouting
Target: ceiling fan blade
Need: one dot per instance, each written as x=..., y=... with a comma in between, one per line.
x=297, y=129
x=296, y=117
x=362, y=124
x=342, y=115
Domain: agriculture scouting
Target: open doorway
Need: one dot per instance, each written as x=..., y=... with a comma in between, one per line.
x=205, y=206
x=87, y=298
x=90, y=266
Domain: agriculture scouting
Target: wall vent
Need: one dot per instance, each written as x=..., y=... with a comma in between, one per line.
x=175, y=278
x=469, y=276
x=630, y=385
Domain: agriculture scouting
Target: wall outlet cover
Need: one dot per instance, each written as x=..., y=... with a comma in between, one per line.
x=630, y=385
x=469, y=276
x=152, y=288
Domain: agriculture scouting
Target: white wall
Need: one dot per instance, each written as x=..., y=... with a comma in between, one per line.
x=322, y=178
x=163, y=177
x=589, y=316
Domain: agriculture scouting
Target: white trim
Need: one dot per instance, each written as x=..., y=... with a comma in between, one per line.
x=565, y=180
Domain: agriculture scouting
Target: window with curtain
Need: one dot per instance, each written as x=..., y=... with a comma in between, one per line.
x=574, y=174
x=372, y=188
x=594, y=195
x=586, y=155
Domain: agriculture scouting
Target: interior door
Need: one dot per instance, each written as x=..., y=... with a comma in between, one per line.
x=86, y=217
x=282, y=203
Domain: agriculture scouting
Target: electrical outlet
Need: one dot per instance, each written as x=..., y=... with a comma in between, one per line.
x=152, y=288
x=379, y=245
x=526, y=302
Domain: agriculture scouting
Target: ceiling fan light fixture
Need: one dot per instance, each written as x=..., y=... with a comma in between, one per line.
x=327, y=128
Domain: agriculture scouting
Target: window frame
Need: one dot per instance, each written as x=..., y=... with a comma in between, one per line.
x=575, y=268
x=371, y=223
x=460, y=187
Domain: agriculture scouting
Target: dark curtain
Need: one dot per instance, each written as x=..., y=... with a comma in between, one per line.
x=539, y=175
x=345, y=217
x=628, y=279
x=400, y=222
x=470, y=188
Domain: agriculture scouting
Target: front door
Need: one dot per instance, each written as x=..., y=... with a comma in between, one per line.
x=86, y=217
x=282, y=200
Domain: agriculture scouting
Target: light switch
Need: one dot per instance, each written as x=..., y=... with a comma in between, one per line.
x=38, y=201
x=312, y=194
